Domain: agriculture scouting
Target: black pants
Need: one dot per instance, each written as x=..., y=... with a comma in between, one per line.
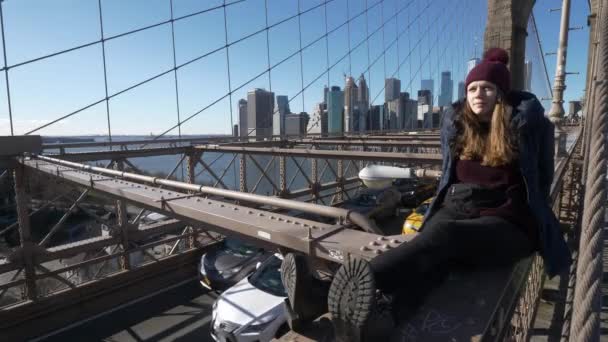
x=452, y=238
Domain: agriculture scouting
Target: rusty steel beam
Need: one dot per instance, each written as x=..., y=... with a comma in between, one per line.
x=71, y=249
x=190, y=169
x=331, y=242
x=160, y=151
x=62, y=165
x=107, y=155
x=11, y=283
x=62, y=220
x=410, y=137
x=7, y=266
x=329, y=154
x=373, y=142
x=44, y=206
x=26, y=250
x=227, y=139
x=147, y=230
x=263, y=174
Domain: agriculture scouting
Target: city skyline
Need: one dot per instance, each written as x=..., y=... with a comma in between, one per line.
x=397, y=112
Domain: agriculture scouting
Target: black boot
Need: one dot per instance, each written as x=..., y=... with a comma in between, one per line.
x=353, y=304
x=307, y=296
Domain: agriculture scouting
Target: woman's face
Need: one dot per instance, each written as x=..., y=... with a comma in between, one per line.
x=481, y=96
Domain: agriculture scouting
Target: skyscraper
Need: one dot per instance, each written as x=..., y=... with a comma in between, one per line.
x=281, y=108
x=404, y=97
x=392, y=87
x=318, y=121
x=393, y=109
x=260, y=106
x=363, y=100
x=447, y=89
x=472, y=63
x=351, y=107
x=410, y=119
x=335, y=111
x=424, y=105
x=295, y=124
x=376, y=113
x=428, y=85
x=243, y=118
x=461, y=91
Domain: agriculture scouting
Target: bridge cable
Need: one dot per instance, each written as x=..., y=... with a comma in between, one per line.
x=345, y=55
x=542, y=55
x=227, y=65
x=301, y=58
x=587, y=294
x=8, y=89
x=177, y=107
x=105, y=71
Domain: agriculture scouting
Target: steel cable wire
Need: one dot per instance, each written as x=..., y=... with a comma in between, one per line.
x=346, y=54
x=587, y=294
x=161, y=73
x=8, y=90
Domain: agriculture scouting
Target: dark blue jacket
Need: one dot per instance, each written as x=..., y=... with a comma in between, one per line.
x=535, y=139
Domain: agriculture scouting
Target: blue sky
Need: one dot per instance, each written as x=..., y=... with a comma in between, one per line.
x=420, y=39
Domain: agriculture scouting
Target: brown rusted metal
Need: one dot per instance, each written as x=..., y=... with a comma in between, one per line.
x=328, y=154
x=123, y=225
x=26, y=250
x=282, y=177
x=263, y=174
x=218, y=180
x=242, y=173
x=231, y=219
x=62, y=220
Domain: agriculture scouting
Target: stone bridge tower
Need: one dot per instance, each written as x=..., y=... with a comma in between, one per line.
x=507, y=28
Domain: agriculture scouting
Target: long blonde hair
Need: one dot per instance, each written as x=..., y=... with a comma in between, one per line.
x=493, y=145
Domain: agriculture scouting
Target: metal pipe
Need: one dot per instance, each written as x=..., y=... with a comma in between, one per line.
x=557, y=108
x=342, y=214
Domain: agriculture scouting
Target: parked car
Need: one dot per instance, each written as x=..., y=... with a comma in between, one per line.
x=414, y=221
x=252, y=310
x=375, y=203
x=226, y=263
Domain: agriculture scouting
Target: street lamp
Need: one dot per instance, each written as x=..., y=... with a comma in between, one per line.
x=382, y=176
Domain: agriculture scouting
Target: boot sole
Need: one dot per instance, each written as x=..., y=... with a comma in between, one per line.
x=295, y=277
x=351, y=299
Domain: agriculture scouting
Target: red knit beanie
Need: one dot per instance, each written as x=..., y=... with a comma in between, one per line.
x=493, y=68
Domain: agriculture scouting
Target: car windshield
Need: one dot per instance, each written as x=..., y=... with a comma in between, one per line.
x=268, y=278
x=422, y=208
x=239, y=247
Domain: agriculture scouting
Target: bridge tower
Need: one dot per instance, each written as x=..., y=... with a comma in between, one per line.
x=506, y=28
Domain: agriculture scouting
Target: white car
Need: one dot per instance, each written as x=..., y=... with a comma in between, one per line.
x=252, y=310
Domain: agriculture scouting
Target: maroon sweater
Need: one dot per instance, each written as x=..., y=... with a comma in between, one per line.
x=505, y=178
